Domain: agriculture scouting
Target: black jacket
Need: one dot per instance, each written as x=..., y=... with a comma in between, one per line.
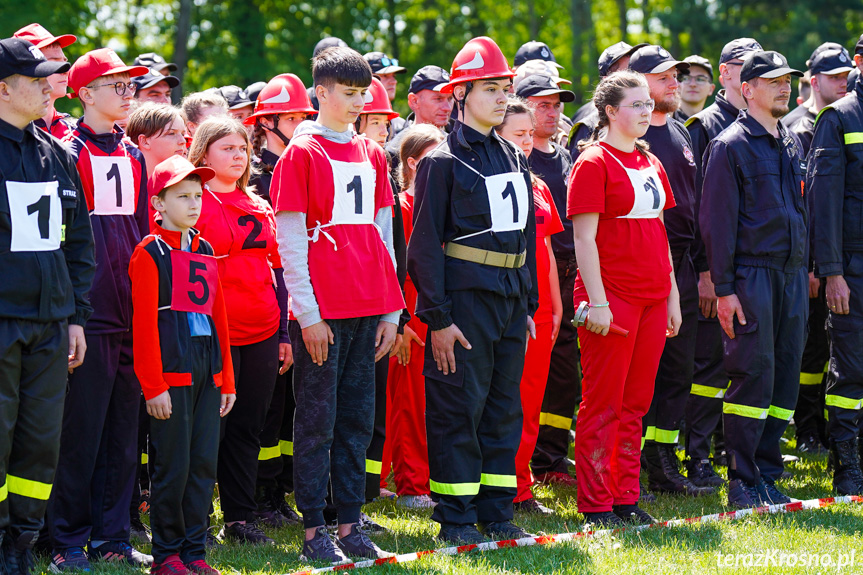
x=44, y=286
x=451, y=202
x=836, y=182
x=753, y=209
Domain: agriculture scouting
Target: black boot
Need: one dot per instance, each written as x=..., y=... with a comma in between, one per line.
x=847, y=475
x=663, y=472
x=18, y=552
x=266, y=513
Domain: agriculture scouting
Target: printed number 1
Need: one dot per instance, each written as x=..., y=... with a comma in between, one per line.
x=356, y=185
x=650, y=186
x=114, y=172
x=43, y=207
x=509, y=190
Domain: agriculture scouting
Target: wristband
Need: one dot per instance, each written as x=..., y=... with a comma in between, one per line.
x=606, y=304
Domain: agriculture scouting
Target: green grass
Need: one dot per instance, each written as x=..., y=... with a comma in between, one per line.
x=695, y=548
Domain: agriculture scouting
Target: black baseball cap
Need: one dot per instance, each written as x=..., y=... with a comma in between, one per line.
x=155, y=62
x=738, y=49
x=253, y=89
x=858, y=48
x=234, y=95
x=380, y=63
x=331, y=42
x=429, y=78
x=534, y=50
x=822, y=48
x=831, y=62
x=766, y=64
x=542, y=85
x=701, y=62
x=151, y=78
x=654, y=60
x=614, y=53
x=19, y=56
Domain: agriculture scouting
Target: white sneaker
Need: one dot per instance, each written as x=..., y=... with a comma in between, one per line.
x=416, y=501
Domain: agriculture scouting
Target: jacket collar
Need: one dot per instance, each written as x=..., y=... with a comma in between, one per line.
x=858, y=87
x=268, y=157
x=725, y=105
x=9, y=131
x=752, y=127
x=174, y=239
x=106, y=142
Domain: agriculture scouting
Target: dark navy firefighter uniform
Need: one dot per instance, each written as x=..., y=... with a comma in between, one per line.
x=754, y=224
x=473, y=204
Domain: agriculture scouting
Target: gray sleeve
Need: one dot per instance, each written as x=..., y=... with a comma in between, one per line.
x=384, y=221
x=294, y=252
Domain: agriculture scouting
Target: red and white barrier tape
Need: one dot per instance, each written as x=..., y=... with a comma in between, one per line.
x=562, y=537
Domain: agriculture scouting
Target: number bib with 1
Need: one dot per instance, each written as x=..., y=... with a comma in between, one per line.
x=193, y=282
x=113, y=185
x=36, y=215
x=649, y=200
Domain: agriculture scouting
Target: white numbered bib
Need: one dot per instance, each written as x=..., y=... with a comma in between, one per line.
x=507, y=197
x=113, y=186
x=648, y=190
x=354, y=199
x=36, y=216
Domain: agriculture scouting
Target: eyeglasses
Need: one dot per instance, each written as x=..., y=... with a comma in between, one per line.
x=696, y=79
x=640, y=106
x=387, y=62
x=120, y=87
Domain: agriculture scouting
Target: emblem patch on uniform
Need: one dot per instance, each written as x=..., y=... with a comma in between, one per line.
x=842, y=58
x=687, y=153
x=70, y=194
x=37, y=53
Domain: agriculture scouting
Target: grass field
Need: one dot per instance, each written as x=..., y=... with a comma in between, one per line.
x=817, y=539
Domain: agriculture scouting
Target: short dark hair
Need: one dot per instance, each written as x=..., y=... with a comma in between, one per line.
x=340, y=65
x=191, y=177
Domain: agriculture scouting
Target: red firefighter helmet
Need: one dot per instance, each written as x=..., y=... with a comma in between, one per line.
x=284, y=94
x=377, y=101
x=479, y=59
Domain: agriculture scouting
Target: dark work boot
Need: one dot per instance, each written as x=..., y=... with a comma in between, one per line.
x=18, y=552
x=847, y=476
x=702, y=474
x=663, y=472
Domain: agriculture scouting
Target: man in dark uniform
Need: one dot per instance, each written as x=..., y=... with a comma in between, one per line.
x=828, y=69
x=46, y=254
x=754, y=224
x=704, y=408
x=805, y=100
x=472, y=258
x=696, y=86
x=836, y=180
x=670, y=142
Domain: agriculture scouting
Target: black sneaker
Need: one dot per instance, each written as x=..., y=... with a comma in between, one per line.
x=702, y=474
x=71, y=559
x=247, y=533
x=743, y=495
x=18, y=553
x=322, y=548
x=269, y=512
x=602, y=520
x=503, y=531
x=212, y=541
x=138, y=530
x=120, y=552
x=460, y=534
x=810, y=444
x=633, y=514
x=645, y=496
x=369, y=526
x=288, y=512
x=358, y=544
x=531, y=506
x=775, y=496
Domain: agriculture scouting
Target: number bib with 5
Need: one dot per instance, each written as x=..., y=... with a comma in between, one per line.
x=35, y=211
x=193, y=279
x=113, y=186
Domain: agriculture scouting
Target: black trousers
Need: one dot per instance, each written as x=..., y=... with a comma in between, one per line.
x=844, y=394
x=184, y=449
x=763, y=361
x=563, y=388
x=473, y=415
x=809, y=415
x=143, y=460
x=98, y=448
x=704, y=405
x=375, y=453
x=33, y=361
x=674, y=377
x=255, y=369
x=275, y=462
x=334, y=419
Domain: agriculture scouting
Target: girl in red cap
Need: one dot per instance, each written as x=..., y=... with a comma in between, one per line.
x=617, y=193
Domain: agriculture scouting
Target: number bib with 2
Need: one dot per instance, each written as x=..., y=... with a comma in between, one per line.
x=193, y=282
x=113, y=186
x=35, y=211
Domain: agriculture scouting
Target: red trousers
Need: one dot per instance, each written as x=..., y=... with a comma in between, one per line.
x=533, y=380
x=617, y=388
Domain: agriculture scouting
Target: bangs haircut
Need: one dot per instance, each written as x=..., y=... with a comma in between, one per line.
x=340, y=65
x=150, y=120
x=190, y=178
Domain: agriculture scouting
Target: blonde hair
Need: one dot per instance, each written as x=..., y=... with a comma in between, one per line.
x=610, y=92
x=193, y=104
x=216, y=128
x=151, y=120
x=416, y=139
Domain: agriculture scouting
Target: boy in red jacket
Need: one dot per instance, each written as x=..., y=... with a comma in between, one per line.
x=182, y=356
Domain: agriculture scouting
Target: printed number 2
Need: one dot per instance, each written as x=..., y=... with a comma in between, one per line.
x=114, y=173
x=356, y=185
x=195, y=278
x=252, y=240
x=509, y=190
x=43, y=207
x=650, y=186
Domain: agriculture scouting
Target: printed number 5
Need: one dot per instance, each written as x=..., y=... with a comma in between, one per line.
x=195, y=278
x=356, y=185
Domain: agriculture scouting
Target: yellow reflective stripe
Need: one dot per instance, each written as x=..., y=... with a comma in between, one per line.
x=286, y=447
x=649, y=433
x=780, y=413
x=744, y=410
x=666, y=435
x=811, y=378
x=144, y=459
x=556, y=421
x=707, y=391
x=642, y=443
x=28, y=488
x=268, y=453
x=826, y=415
x=843, y=402
x=373, y=466
x=854, y=138
x=454, y=488
x=493, y=480
x=4, y=492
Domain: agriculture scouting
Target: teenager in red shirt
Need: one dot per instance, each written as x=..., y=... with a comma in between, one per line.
x=517, y=127
x=242, y=230
x=617, y=192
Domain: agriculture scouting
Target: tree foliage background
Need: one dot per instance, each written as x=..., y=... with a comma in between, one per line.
x=242, y=41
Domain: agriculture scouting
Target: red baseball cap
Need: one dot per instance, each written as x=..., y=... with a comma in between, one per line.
x=40, y=37
x=98, y=63
x=174, y=170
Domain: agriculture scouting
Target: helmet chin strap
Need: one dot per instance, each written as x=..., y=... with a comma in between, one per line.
x=275, y=130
